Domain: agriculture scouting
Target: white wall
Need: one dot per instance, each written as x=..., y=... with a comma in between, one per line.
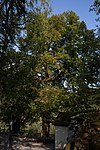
x=61, y=136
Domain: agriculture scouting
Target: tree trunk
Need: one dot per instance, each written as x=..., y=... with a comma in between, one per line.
x=72, y=145
x=48, y=129
x=45, y=129
x=91, y=145
x=16, y=126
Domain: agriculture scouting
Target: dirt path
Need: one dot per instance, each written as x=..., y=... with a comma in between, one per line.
x=24, y=143
x=31, y=144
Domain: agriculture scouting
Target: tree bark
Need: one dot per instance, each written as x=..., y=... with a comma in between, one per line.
x=45, y=129
x=16, y=126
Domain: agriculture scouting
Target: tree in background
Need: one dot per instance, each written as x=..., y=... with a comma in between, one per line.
x=14, y=66
x=96, y=8
x=14, y=15
x=55, y=69
x=67, y=57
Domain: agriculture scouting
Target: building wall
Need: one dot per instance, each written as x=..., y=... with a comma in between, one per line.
x=61, y=136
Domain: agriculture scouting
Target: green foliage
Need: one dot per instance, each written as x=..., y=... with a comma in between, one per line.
x=55, y=70
x=16, y=74
x=17, y=90
x=67, y=59
x=96, y=7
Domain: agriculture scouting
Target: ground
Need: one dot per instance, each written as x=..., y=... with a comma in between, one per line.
x=23, y=143
x=31, y=144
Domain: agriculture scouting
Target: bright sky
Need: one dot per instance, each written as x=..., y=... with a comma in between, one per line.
x=80, y=7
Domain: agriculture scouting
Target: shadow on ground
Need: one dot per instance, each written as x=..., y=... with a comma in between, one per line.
x=31, y=144
x=24, y=143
